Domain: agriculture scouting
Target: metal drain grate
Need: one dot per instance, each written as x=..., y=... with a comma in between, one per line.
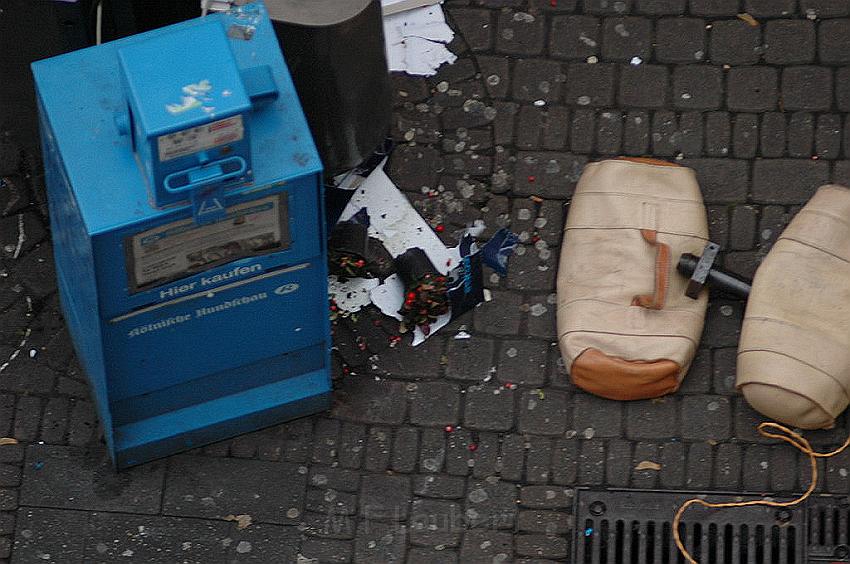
x=634, y=527
x=829, y=529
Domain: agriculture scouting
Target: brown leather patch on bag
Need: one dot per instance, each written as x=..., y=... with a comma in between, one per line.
x=619, y=379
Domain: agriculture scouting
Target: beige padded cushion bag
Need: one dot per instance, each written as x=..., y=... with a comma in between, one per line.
x=625, y=327
x=794, y=353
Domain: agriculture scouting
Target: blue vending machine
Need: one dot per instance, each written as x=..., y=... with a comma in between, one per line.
x=186, y=208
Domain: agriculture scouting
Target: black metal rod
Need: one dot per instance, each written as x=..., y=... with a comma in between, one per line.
x=720, y=280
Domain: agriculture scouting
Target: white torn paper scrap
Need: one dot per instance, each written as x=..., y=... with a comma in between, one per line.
x=352, y=294
x=415, y=40
x=396, y=223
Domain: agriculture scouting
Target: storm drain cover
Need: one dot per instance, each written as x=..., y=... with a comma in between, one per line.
x=829, y=529
x=634, y=527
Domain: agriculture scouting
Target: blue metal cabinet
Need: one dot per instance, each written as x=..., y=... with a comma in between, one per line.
x=186, y=209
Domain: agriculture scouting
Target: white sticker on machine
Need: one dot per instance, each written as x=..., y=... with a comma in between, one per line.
x=183, y=248
x=194, y=139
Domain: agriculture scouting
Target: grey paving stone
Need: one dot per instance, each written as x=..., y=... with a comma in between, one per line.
x=435, y=404
x=646, y=478
x=618, y=463
x=326, y=441
x=380, y=542
x=469, y=359
x=828, y=136
x=495, y=72
x=546, y=497
x=735, y=42
x=751, y=89
x=624, y=38
x=698, y=378
x=698, y=469
x=475, y=25
x=490, y=505
x=636, y=133
x=485, y=546
x=706, y=417
x=727, y=467
x=807, y=88
x=691, y=134
x=787, y=181
x=523, y=362
x=697, y=87
x=783, y=468
x=489, y=408
x=591, y=462
x=520, y=33
x=537, y=79
x=596, y=416
x=75, y=478
x=542, y=546
x=756, y=468
x=503, y=128
x=834, y=41
x=385, y=498
x=435, y=523
x=544, y=412
x=770, y=8
x=547, y=174
x=665, y=133
x=544, y=522
x=609, y=133
x=772, y=140
x=590, y=85
x=723, y=370
x=714, y=7
x=352, y=445
x=564, y=461
x=658, y=7
x=607, y=6
x=271, y=492
x=789, y=42
x=723, y=323
x=538, y=459
x=529, y=272
x=327, y=550
x=672, y=474
x=745, y=136
x=459, y=457
x=501, y=316
x=721, y=180
x=652, y=419
x=50, y=535
x=643, y=86
x=511, y=462
x=541, y=316
x=718, y=134
x=432, y=454
x=574, y=37
x=428, y=556
x=405, y=449
x=364, y=400
x=742, y=228
x=680, y=40
x=486, y=455
x=439, y=486
x=542, y=127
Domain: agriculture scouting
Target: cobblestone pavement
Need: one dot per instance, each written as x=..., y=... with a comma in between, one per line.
x=466, y=450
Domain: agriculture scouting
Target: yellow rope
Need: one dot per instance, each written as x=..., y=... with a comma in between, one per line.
x=789, y=437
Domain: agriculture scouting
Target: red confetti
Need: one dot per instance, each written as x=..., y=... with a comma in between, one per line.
x=532, y=178
x=472, y=447
x=535, y=238
x=346, y=370
x=508, y=385
x=440, y=228
x=449, y=428
x=411, y=295
x=553, y=3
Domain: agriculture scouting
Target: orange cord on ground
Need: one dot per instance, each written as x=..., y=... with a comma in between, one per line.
x=789, y=437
